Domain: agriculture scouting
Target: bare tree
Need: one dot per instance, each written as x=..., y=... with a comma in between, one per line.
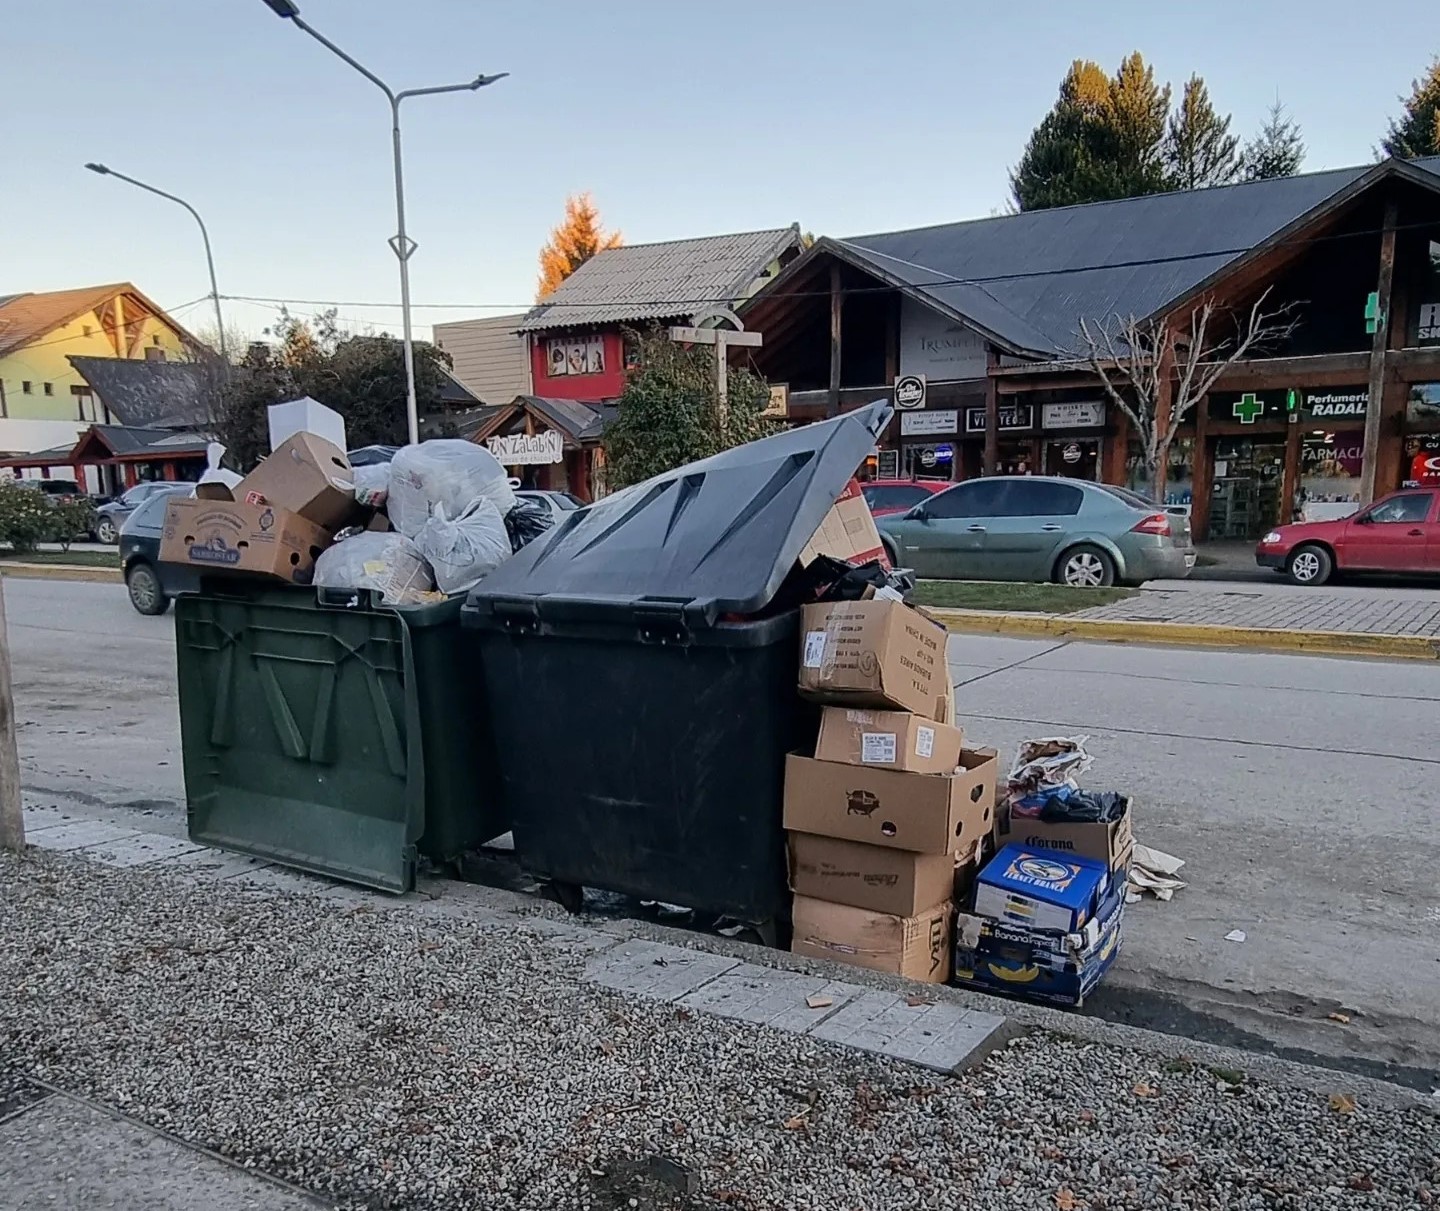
x=1139, y=360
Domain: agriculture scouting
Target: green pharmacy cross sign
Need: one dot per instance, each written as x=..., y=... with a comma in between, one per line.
x=1247, y=408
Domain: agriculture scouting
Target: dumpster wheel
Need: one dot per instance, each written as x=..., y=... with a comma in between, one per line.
x=570, y=896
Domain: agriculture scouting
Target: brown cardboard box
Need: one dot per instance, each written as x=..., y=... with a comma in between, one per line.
x=848, y=532
x=924, y=813
x=1111, y=843
x=307, y=476
x=229, y=535
x=868, y=876
x=873, y=653
x=888, y=739
x=916, y=946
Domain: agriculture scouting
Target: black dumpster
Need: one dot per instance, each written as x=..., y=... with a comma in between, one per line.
x=641, y=713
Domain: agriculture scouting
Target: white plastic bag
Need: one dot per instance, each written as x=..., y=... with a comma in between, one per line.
x=372, y=484
x=447, y=474
x=388, y=563
x=464, y=550
x=214, y=473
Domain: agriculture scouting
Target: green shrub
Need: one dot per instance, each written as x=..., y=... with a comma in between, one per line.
x=27, y=518
x=72, y=519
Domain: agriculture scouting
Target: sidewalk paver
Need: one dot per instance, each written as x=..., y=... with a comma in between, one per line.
x=936, y=1035
x=1379, y=611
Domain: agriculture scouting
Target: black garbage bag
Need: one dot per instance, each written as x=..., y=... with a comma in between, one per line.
x=526, y=522
x=1085, y=807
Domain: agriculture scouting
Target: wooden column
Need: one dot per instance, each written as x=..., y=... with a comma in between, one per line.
x=1378, y=345
x=992, y=413
x=1290, y=479
x=1202, y=474
x=835, y=305
x=892, y=341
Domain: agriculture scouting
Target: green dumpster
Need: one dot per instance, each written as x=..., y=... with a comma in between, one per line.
x=325, y=731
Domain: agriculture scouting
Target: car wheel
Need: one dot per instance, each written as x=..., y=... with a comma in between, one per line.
x=143, y=585
x=1085, y=567
x=105, y=531
x=1309, y=565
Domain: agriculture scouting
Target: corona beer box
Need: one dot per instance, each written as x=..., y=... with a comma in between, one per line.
x=1042, y=889
x=232, y=536
x=1061, y=969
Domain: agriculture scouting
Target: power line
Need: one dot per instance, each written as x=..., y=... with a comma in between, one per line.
x=84, y=336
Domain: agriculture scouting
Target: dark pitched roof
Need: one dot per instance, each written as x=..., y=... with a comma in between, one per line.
x=661, y=281
x=127, y=439
x=1024, y=279
x=148, y=394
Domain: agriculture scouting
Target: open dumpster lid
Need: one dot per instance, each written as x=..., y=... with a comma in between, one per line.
x=719, y=535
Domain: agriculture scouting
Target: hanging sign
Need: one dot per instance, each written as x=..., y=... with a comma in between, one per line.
x=1089, y=414
x=1010, y=416
x=927, y=424
x=527, y=450
x=910, y=391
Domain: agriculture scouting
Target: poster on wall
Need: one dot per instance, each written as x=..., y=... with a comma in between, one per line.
x=937, y=347
x=575, y=355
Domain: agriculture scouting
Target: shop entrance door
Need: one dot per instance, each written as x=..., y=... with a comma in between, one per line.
x=1248, y=477
x=1073, y=458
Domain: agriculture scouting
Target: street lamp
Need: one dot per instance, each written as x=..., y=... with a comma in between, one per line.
x=204, y=235
x=400, y=244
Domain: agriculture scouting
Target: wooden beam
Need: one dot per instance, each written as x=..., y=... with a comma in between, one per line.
x=992, y=414
x=836, y=302
x=892, y=339
x=1377, y=355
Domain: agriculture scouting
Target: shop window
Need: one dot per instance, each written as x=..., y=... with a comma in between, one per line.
x=1422, y=409
x=1179, y=472
x=1330, y=467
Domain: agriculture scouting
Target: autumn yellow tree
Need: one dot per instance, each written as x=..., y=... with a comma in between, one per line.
x=579, y=237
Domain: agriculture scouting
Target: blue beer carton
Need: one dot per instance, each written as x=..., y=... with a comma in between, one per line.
x=1042, y=890
x=1057, y=968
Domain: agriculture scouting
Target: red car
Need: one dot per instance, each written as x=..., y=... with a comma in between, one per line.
x=1399, y=533
x=900, y=495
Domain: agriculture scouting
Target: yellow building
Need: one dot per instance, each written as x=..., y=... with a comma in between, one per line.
x=44, y=402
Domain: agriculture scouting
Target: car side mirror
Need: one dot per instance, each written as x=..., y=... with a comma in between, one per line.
x=1364, y=520
x=917, y=514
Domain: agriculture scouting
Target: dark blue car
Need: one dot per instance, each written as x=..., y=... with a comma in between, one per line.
x=150, y=583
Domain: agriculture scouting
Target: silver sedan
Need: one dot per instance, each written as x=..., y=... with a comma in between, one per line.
x=1040, y=528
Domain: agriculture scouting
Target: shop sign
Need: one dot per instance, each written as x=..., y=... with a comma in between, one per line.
x=1011, y=416
x=1087, y=415
x=527, y=449
x=1336, y=405
x=910, y=391
x=937, y=346
x=888, y=465
x=779, y=405
x=1429, y=333
x=574, y=355
x=928, y=424
x=1071, y=453
x=934, y=456
x=1291, y=403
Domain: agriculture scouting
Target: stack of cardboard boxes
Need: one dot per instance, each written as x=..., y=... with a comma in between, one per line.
x=1048, y=909
x=892, y=806
x=278, y=519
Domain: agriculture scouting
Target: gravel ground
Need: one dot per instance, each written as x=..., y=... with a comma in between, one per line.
x=390, y=1062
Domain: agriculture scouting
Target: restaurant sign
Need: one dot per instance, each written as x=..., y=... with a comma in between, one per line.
x=1089, y=414
x=527, y=449
x=1011, y=416
x=924, y=424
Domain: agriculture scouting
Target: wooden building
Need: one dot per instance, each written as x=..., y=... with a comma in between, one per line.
x=972, y=328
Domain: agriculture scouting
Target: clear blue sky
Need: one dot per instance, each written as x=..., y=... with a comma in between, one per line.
x=681, y=119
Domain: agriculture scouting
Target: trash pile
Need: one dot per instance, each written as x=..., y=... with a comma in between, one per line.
x=1047, y=911
x=428, y=523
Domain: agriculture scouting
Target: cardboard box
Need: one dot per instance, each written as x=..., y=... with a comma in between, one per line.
x=1059, y=969
x=305, y=415
x=1039, y=890
x=918, y=947
x=891, y=739
x=308, y=476
x=923, y=813
x=232, y=536
x=873, y=653
x=848, y=532
x=1111, y=843
x=868, y=876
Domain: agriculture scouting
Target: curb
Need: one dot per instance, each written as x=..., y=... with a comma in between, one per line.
x=1190, y=635
x=61, y=571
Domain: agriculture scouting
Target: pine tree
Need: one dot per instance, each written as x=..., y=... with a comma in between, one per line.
x=1416, y=133
x=579, y=237
x=1277, y=151
x=1139, y=108
x=1199, y=148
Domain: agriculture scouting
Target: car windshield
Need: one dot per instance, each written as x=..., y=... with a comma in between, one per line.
x=1133, y=499
x=150, y=515
x=567, y=500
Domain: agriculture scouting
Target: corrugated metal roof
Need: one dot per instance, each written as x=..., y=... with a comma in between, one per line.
x=126, y=439
x=146, y=394
x=1027, y=278
x=670, y=280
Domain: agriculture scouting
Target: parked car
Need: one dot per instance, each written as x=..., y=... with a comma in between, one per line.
x=110, y=517
x=559, y=503
x=886, y=496
x=1399, y=534
x=150, y=583
x=54, y=489
x=1040, y=528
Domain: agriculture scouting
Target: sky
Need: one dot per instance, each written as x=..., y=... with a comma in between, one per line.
x=682, y=120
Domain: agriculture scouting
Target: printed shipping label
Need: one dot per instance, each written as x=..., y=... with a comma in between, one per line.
x=877, y=748
x=924, y=741
x=814, y=649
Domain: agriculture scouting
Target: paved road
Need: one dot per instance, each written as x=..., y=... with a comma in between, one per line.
x=1301, y=791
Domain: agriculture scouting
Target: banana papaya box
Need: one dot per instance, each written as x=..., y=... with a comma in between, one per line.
x=1039, y=965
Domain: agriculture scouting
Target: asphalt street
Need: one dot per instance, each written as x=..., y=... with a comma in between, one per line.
x=1300, y=790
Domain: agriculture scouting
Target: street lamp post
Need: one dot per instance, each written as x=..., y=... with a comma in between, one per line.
x=400, y=243
x=204, y=235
